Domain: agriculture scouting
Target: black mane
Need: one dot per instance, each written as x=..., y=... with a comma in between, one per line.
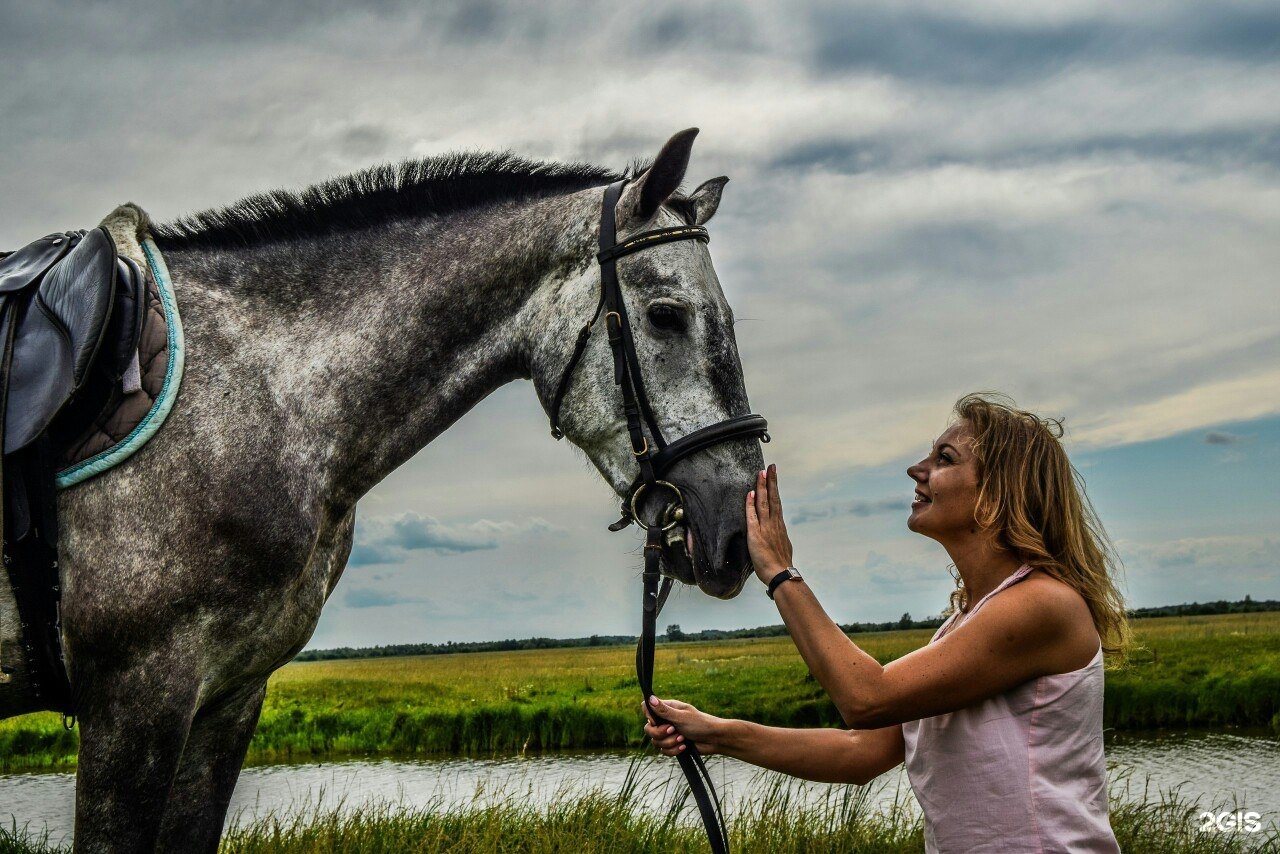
x=431, y=186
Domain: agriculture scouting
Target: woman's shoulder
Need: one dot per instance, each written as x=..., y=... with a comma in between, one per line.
x=1062, y=607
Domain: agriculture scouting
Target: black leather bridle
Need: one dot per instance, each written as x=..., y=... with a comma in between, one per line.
x=655, y=458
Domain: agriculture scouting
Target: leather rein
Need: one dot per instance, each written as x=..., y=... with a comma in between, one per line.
x=655, y=456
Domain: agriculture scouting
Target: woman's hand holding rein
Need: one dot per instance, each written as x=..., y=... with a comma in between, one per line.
x=824, y=755
x=684, y=722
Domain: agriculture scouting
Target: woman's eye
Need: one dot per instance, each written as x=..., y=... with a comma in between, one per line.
x=667, y=317
x=946, y=458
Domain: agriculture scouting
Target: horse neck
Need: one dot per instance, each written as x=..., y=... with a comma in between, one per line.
x=372, y=344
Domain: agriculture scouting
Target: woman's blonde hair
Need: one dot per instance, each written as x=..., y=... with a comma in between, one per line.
x=1031, y=495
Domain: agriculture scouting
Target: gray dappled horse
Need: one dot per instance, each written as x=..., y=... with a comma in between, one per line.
x=331, y=334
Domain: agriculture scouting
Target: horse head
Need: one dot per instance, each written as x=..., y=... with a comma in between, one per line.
x=680, y=329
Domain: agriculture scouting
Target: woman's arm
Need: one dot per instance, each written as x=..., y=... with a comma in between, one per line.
x=850, y=676
x=823, y=755
x=1018, y=636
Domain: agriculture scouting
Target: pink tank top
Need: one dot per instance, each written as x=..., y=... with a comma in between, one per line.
x=1022, y=771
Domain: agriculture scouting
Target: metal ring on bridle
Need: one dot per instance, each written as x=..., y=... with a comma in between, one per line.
x=635, y=501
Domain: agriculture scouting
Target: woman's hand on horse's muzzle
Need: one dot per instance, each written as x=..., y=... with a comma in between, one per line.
x=767, y=538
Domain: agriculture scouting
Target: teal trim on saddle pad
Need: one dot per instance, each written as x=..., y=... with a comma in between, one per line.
x=99, y=463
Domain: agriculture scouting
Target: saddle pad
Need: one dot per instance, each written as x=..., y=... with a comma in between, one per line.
x=137, y=407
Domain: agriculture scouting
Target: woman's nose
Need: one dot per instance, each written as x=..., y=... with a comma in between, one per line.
x=916, y=473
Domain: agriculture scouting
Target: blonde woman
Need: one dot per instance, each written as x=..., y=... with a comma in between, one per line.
x=999, y=717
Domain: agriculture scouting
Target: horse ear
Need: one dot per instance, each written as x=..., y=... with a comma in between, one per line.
x=706, y=199
x=645, y=195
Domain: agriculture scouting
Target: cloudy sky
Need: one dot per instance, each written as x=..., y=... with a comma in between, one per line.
x=1074, y=202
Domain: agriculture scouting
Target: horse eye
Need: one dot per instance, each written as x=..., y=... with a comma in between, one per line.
x=667, y=317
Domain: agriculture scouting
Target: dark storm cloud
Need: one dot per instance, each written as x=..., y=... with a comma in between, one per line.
x=145, y=27
x=1235, y=30
x=1217, y=437
x=1222, y=148
x=850, y=156
x=718, y=26
x=475, y=20
x=148, y=27
x=953, y=48
x=918, y=44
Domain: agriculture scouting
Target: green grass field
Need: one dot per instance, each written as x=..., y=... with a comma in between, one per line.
x=1210, y=671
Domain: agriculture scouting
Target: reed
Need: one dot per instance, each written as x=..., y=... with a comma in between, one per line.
x=643, y=818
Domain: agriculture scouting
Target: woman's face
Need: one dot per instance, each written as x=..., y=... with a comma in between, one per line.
x=946, y=493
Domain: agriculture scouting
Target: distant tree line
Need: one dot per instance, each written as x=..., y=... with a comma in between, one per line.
x=675, y=634
x=1247, y=605
x=904, y=622
x=451, y=647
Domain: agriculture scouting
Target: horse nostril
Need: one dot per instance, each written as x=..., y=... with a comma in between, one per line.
x=736, y=555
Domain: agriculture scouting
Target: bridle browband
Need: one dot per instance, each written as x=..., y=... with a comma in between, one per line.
x=655, y=457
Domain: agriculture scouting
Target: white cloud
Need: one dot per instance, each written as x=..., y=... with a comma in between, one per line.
x=1237, y=399
x=390, y=539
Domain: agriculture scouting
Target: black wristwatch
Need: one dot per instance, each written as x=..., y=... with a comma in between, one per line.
x=788, y=574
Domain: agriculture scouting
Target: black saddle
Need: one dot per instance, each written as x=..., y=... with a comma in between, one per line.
x=71, y=312
x=75, y=308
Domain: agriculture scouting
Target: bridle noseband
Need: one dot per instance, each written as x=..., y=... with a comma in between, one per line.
x=655, y=458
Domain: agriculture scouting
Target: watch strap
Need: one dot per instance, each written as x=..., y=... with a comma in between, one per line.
x=786, y=575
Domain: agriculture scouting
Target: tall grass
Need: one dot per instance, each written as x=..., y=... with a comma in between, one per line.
x=1222, y=670
x=640, y=818
x=1212, y=671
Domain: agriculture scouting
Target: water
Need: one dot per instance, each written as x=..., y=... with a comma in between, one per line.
x=1224, y=770
x=1214, y=767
